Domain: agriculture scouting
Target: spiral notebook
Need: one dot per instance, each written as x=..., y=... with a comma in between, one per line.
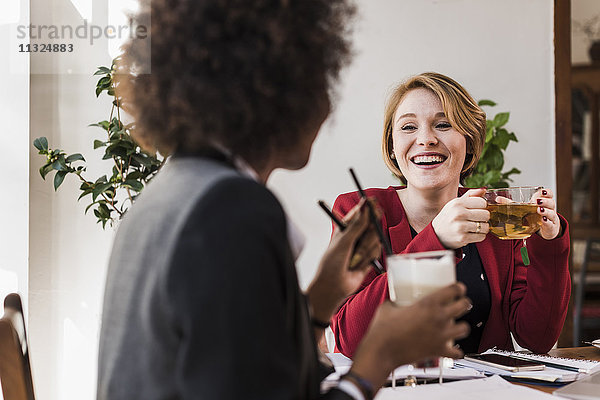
x=569, y=364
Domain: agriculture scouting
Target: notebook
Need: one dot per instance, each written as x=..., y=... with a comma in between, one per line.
x=548, y=375
x=569, y=364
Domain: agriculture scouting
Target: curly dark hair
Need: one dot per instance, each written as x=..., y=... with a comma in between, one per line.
x=246, y=74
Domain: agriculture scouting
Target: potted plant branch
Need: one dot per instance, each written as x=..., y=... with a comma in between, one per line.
x=111, y=194
x=488, y=171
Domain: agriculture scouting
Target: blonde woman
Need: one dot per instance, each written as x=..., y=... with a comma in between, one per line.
x=433, y=137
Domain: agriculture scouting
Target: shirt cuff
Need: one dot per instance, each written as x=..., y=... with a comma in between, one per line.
x=350, y=389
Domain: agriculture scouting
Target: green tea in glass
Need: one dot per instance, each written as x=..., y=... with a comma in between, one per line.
x=513, y=213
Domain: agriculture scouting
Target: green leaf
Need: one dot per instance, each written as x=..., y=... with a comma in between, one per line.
x=495, y=157
x=513, y=171
x=134, y=175
x=490, y=177
x=512, y=137
x=98, y=91
x=502, y=138
x=134, y=184
x=142, y=159
x=474, y=181
x=99, y=143
x=489, y=133
x=102, y=179
x=84, y=193
x=59, y=166
x=115, y=150
x=91, y=205
x=59, y=178
x=500, y=184
x=41, y=144
x=45, y=169
x=99, y=189
x=102, y=124
x=486, y=102
x=75, y=157
x=103, y=81
x=103, y=210
x=85, y=185
x=102, y=71
x=501, y=119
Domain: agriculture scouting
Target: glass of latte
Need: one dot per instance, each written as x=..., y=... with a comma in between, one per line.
x=414, y=275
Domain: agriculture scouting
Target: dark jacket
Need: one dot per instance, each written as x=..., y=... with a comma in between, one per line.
x=202, y=298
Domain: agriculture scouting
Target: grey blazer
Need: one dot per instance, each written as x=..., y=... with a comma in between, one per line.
x=202, y=298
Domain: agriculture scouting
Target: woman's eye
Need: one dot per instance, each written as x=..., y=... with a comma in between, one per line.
x=408, y=128
x=443, y=125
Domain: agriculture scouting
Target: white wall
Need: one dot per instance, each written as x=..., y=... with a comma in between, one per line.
x=501, y=50
x=498, y=49
x=68, y=250
x=14, y=163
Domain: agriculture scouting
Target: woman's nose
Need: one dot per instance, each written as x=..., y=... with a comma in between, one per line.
x=427, y=137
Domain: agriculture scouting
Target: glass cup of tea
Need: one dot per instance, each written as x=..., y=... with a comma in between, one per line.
x=414, y=275
x=513, y=212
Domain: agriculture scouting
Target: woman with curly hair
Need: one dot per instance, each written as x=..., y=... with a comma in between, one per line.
x=202, y=298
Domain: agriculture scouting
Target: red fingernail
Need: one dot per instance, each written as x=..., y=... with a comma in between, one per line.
x=545, y=218
x=539, y=201
x=544, y=192
x=541, y=209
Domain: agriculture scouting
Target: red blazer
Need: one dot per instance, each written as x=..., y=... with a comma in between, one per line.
x=529, y=301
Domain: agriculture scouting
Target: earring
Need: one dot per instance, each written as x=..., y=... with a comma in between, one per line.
x=392, y=156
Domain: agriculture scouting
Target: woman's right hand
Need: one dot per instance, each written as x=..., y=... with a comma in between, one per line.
x=463, y=220
x=345, y=263
x=402, y=335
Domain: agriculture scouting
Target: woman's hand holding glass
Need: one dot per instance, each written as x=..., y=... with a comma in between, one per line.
x=401, y=335
x=463, y=220
x=550, y=228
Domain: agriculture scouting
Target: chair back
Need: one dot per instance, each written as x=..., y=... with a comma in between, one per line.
x=15, y=370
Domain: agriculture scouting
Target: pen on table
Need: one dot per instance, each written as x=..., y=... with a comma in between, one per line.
x=375, y=263
x=386, y=244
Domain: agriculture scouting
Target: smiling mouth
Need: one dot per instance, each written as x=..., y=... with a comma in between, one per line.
x=428, y=160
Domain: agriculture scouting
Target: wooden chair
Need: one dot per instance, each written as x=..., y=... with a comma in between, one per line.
x=15, y=371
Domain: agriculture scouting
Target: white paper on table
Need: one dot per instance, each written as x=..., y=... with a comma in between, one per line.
x=492, y=388
x=342, y=365
x=451, y=373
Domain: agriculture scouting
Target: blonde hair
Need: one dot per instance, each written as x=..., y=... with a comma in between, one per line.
x=462, y=111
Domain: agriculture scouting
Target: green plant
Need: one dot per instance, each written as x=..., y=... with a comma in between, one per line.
x=132, y=170
x=488, y=171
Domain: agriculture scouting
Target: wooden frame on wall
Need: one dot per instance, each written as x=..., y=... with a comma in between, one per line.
x=563, y=139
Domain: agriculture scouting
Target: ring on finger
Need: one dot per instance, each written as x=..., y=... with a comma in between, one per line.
x=478, y=229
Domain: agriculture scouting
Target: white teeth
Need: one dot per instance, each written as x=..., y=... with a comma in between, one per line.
x=427, y=159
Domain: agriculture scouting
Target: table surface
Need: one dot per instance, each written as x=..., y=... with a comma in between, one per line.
x=589, y=353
